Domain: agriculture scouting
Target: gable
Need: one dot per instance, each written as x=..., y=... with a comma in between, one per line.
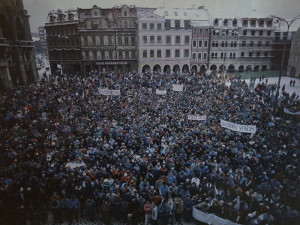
x=151, y=15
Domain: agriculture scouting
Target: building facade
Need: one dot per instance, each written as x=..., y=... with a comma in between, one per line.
x=165, y=37
x=293, y=69
x=241, y=44
x=17, y=63
x=64, y=48
x=129, y=39
x=200, y=45
x=108, y=39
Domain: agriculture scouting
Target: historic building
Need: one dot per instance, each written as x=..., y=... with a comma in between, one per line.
x=201, y=38
x=293, y=69
x=17, y=64
x=165, y=38
x=93, y=39
x=241, y=44
x=108, y=39
x=63, y=41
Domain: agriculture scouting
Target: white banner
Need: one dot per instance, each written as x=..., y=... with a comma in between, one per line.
x=291, y=113
x=195, y=117
x=177, y=87
x=75, y=164
x=109, y=92
x=238, y=127
x=159, y=92
x=210, y=218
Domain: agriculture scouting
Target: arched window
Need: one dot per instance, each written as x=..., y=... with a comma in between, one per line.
x=223, y=44
x=235, y=44
x=213, y=44
x=217, y=44
x=233, y=55
x=216, y=22
x=230, y=55
x=225, y=24
x=234, y=22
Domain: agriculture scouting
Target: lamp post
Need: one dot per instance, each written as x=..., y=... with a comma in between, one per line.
x=288, y=23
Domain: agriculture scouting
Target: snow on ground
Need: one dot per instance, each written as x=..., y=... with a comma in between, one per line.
x=284, y=80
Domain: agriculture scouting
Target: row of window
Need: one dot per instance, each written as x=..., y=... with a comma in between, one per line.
x=200, y=44
x=256, y=32
x=224, y=44
x=177, y=24
x=168, y=39
x=108, y=40
x=152, y=26
x=98, y=55
x=259, y=43
x=232, y=55
x=200, y=32
x=245, y=33
x=199, y=56
x=245, y=22
x=167, y=53
x=62, y=31
x=64, y=55
x=63, y=42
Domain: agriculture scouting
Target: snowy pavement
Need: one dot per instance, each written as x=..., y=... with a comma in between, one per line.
x=284, y=80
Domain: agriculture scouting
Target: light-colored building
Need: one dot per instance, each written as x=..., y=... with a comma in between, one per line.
x=165, y=38
x=241, y=44
x=294, y=61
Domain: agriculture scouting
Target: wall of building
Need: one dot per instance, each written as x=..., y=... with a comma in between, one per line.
x=294, y=60
x=17, y=60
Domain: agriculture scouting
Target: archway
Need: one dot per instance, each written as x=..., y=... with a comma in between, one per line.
x=264, y=68
x=167, y=69
x=248, y=68
x=146, y=69
x=231, y=68
x=222, y=67
x=213, y=67
x=293, y=71
x=194, y=68
x=185, y=68
x=176, y=68
x=157, y=68
x=256, y=68
x=202, y=68
x=241, y=68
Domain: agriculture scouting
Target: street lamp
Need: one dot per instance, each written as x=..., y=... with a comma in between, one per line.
x=288, y=23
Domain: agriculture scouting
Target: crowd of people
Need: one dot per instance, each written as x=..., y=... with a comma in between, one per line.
x=137, y=159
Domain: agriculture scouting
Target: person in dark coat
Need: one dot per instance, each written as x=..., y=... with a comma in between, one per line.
x=90, y=209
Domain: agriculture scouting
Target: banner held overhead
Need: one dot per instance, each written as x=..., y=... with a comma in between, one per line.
x=238, y=127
